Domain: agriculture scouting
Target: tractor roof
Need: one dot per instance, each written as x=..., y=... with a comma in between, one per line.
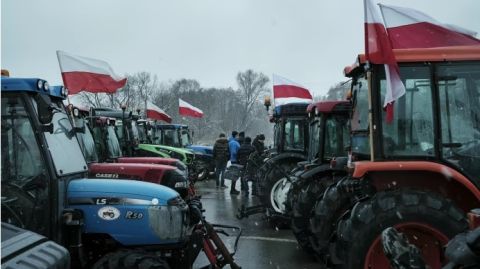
x=325, y=107
x=114, y=113
x=441, y=54
x=35, y=85
x=171, y=126
x=299, y=109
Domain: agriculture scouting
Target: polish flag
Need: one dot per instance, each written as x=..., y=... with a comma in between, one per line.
x=287, y=92
x=86, y=74
x=156, y=113
x=378, y=50
x=186, y=109
x=409, y=28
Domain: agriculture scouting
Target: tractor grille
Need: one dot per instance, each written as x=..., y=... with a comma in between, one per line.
x=169, y=222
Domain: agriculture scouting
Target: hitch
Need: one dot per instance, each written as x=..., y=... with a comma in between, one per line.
x=244, y=212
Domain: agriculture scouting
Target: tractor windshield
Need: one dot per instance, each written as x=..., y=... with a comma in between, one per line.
x=459, y=92
x=185, y=137
x=170, y=138
x=63, y=144
x=294, y=135
x=142, y=132
x=411, y=132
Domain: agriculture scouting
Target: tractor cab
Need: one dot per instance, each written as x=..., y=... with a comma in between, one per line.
x=174, y=135
x=437, y=119
x=290, y=128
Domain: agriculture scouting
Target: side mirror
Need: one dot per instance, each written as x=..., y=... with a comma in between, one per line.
x=44, y=109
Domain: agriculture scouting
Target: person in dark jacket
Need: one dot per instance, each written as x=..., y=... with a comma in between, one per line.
x=242, y=155
x=221, y=155
x=241, y=138
x=258, y=143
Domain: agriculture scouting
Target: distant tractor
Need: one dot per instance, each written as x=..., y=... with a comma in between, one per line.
x=273, y=175
x=418, y=173
x=180, y=136
x=326, y=164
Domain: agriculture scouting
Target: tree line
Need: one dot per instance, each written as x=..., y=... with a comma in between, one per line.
x=225, y=109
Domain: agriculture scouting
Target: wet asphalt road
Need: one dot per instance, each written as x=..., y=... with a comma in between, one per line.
x=261, y=245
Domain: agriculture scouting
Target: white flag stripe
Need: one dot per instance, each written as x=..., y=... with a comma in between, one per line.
x=73, y=63
x=187, y=105
x=278, y=80
x=152, y=106
x=291, y=100
x=395, y=16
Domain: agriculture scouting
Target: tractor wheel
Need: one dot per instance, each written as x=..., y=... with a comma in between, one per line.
x=323, y=222
x=428, y=220
x=131, y=259
x=302, y=210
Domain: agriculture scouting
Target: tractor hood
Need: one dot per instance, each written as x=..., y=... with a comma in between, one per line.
x=96, y=191
x=154, y=160
x=128, y=170
x=202, y=149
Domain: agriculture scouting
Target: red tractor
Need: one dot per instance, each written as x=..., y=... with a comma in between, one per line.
x=326, y=161
x=103, y=155
x=418, y=173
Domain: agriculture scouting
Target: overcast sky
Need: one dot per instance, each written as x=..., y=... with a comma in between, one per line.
x=308, y=41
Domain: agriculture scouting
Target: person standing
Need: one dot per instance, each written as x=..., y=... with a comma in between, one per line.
x=233, y=146
x=241, y=138
x=221, y=155
x=242, y=155
x=259, y=144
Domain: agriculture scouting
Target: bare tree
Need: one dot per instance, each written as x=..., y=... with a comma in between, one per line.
x=251, y=85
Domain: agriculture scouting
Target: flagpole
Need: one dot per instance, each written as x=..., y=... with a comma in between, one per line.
x=370, y=114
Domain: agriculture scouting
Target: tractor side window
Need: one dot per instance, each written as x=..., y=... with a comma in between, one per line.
x=170, y=138
x=314, y=146
x=25, y=181
x=113, y=145
x=185, y=138
x=336, y=137
x=87, y=143
x=411, y=131
x=294, y=135
x=459, y=92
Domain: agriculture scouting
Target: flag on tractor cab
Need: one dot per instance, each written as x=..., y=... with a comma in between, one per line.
x=409, y=28
x=87, y=74
x=156, y=113
x=186, y=109
x=288, y=92
x=378, y=50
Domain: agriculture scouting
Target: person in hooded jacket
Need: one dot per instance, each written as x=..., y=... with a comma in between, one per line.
x=259, y=144
x=243, y=155
x=221, y=155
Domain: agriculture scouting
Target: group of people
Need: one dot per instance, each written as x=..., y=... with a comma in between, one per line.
x=236, y=149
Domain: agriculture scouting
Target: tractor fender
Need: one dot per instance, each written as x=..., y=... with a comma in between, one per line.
x=130, y=212
x=421, y=175
x=281, y=158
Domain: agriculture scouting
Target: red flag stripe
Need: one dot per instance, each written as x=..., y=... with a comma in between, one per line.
x=76, y=82
x=152, y=114
x=285, y=91
x=427, y=35
x=185, y=111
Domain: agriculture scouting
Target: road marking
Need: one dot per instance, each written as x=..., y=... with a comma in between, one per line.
x=268, y=239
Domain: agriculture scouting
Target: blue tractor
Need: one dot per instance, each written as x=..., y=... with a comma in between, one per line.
x=104, y=223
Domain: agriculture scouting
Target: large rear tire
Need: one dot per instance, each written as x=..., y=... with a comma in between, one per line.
x=302, y=210
x=427, y=219
x=130, y=259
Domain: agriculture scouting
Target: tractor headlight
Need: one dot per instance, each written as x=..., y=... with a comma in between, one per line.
x=64, y=92
x=182, y=184
x=40, y=84
x=46, y=86
x=76, y=112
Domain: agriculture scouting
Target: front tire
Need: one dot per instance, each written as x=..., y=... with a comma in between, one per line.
x=427, y=219
x=130, y=259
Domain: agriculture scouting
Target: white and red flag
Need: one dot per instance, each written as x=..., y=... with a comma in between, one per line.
x=186, y=109
x=156, y=113
x=287, y=92
x=409, y=28
x=87, y=74
x=378, y=50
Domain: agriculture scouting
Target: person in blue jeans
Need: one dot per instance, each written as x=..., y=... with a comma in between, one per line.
x=221, y=155
x=233, y=147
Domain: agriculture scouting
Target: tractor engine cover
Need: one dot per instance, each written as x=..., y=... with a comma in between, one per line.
x=131, y=212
